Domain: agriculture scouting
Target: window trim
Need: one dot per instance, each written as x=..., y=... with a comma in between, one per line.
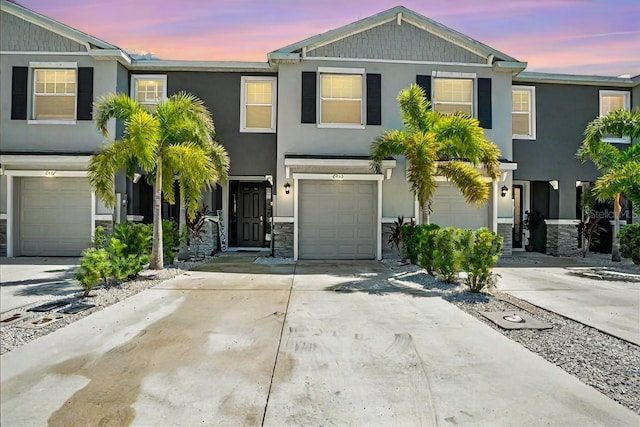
x=133, y=92
x=40, y=65
x=455, y=76
x=363, y=100
x=243, y=105
x=627, y=106
x=532, y=112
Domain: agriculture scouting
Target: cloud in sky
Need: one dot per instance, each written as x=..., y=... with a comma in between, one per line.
x=577, y=36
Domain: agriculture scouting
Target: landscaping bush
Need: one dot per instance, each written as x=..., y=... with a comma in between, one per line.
x=448, y=253
x=409, y=242
x=630, y=242
x=481, y=251
x=94, y=267
x=170, y=240
x=129, y=247
x=425, y=235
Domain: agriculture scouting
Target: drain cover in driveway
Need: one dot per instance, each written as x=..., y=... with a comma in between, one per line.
x=76, y=307
x=49, y=306
x=515, y=320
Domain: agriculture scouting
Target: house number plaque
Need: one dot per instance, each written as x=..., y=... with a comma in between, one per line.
x=338, y=176
x=49, y=173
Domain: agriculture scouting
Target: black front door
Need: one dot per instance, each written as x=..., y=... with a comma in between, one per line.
x=517, y=216
x=251, y=213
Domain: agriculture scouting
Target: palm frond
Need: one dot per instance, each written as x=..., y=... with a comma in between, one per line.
x=421, y=152
x=390, y=143
x=413, y=106
x=142, y=134
x=467, y=179
x=113, y=106
x=622, y=179
x=102, y=169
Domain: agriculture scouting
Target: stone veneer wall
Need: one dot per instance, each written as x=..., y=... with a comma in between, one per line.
x=506, y=231
x=562, y=239
x=283, y=239
x=209, y=245
x=3, y=237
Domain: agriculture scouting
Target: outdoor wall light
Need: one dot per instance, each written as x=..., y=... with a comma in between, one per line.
x=554, y=184
x=136, y=178
x=287, y=188
x=504, y=189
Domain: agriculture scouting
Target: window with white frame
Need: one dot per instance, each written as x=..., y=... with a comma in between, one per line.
x=258, y=104
x=54, y=94
x=611, y=100
x=451, y=95
x=148, y=90
x=341, y=97
x=523, y=114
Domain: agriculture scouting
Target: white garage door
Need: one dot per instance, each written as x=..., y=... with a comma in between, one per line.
x=337, y=219
x=55, y=216
x=451, y=210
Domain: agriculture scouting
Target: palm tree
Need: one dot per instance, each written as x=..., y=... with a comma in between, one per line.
x=174, y=141
x=620, y=169
x=435, y=144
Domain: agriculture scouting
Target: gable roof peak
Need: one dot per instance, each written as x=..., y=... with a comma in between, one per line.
x=401, y=13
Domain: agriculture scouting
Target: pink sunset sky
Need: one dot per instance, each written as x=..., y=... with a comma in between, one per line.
x=566, y=36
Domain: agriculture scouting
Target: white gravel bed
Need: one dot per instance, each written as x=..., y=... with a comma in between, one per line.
x=606, y=363
x=273, y=260
x=21, y=331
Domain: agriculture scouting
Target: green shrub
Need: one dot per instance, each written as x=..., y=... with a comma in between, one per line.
x=129, y=247
x=482, y=249
x=425, y=235
x=447, y=255
x=94, y=267
x=630, y=242
x=409, y=242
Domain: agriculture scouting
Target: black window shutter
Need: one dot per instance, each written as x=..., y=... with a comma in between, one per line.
x=85, y=94
x=485, y=116
x=425, y=83
x=374, y=99
x=308, y=113
x=19, y=92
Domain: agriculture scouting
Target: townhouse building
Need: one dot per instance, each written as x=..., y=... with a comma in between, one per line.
x=298, y=128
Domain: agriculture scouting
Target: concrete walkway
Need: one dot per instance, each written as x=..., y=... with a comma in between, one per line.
x=612, y=306
x=281, y=345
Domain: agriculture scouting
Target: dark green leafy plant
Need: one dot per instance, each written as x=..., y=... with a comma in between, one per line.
x=630, y=242
x=170, y=239
x=409, y=242
x=196, y=227
x=481, y=252
x=395, y=235
x=425, y=241
x=129, y=247
x=448, y=253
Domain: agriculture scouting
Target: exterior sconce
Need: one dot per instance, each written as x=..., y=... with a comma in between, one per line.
x=136, y=178
x=554, y=184
x=287, y=188
x=504, y=189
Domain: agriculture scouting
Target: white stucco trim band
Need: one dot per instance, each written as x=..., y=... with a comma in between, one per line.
x=337, y=177
x=562, y=221
x=331, y=164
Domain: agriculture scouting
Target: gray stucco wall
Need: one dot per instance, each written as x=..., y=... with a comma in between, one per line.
x=82, y=137
x=250, y=153
x=17, y=34
x=393, y=41
x=562, y=113
x=294, y=137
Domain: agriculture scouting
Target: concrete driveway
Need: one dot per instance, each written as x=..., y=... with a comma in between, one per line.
x=612, y=306
x=27, y=280
x=312, y=344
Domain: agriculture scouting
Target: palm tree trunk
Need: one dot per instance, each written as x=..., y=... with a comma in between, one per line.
x=156, y=262
x=615, y=243
x=183, y=254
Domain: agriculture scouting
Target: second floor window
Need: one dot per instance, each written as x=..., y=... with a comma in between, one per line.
x=258, y=104
x=149, y=90
x=453, y=95
x=54, y=95
x=523, y=112
x=611, y=100
x=341, y=100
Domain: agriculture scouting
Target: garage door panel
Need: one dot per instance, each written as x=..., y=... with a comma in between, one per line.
x=451, y=210
x=55, y=217
x=337, y=219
